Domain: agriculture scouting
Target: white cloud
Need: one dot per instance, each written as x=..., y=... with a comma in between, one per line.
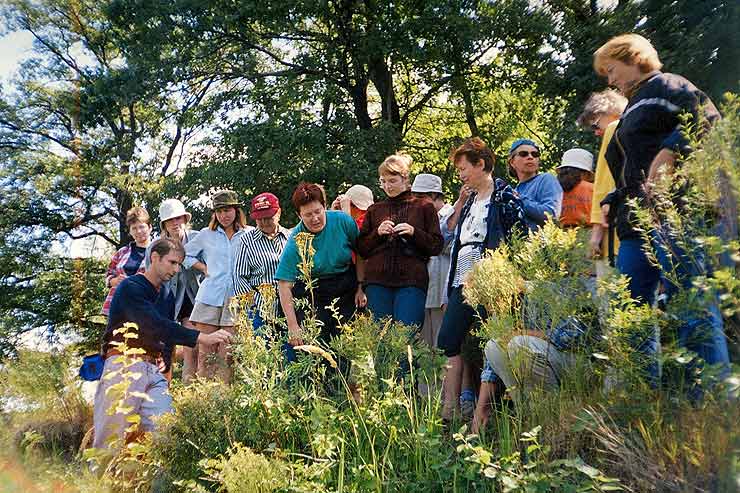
x=15, y=47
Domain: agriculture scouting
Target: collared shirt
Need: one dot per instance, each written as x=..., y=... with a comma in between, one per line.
x=115, y=269
x=257, y=258
x=217, y=251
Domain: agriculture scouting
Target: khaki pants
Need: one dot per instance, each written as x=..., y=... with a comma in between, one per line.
x=528, y=362
x=432, y=322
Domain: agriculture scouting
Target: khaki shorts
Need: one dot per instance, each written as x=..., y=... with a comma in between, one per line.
x=212, y=315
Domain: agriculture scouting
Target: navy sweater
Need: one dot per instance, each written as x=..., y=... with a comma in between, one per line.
x=137, y=301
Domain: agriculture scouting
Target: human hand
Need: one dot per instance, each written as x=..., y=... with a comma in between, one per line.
x=404, y=229
x=294, y=335
x=605, y=215
x=360, y=298
x=117, y=280
x=386, y=227
x=337, y=204
x=221, y=336
x=662, y=165
x=345, y=202
x=465, y=192
x=597, y=234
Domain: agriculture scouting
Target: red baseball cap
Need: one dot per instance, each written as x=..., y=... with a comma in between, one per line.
x=264, y=205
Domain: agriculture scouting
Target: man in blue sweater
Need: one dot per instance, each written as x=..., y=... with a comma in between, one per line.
x=144, y=300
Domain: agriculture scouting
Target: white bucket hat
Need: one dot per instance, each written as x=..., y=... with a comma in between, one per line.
x=171, y=208
x=361, y=196
x=427, y=182
x=577, y=158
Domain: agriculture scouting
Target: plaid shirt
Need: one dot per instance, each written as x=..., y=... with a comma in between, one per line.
x=115, y=269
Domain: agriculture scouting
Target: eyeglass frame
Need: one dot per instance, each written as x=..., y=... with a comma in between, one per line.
x=535, y=154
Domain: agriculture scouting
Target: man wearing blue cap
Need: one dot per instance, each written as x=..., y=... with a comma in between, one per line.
x=541, y=193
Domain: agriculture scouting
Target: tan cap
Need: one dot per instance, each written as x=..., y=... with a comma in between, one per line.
x=170, y=209
x=361, y=196
x=427, y=182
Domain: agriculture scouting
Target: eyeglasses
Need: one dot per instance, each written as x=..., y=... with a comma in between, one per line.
x=392, y=181
x=534, y=154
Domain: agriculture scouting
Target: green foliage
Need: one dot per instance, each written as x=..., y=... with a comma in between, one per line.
x=42, y=404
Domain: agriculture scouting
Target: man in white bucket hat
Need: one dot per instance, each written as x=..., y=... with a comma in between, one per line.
x=174, y=223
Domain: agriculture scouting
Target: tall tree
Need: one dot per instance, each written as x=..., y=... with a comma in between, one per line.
x=83, y=136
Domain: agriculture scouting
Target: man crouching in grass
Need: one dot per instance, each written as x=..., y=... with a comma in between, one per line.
x=143, y=300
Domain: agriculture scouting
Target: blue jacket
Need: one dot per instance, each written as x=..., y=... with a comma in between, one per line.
x=505, y=217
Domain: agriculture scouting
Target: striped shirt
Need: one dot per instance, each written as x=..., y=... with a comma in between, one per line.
x=257, y=259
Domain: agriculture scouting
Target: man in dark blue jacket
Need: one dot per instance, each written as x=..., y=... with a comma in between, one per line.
x=648, y=143
x=140, y=300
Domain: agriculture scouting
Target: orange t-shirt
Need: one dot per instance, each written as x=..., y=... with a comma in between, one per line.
x=577, y=205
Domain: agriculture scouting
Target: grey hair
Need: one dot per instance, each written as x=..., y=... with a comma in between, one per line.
x=607, y=102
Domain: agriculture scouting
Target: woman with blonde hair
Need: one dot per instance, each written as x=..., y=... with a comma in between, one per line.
x=648, y=142
x=397, y=238
x=212, y=253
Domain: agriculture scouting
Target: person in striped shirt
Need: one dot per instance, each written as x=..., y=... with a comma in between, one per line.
x=257, y=258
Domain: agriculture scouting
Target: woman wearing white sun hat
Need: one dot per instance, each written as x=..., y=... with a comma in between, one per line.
x=174, y=223
x=576, y=177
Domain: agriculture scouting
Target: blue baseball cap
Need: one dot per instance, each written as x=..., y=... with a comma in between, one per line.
x=521, y=142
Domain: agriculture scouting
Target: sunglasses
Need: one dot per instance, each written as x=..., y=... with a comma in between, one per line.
x=534, y=154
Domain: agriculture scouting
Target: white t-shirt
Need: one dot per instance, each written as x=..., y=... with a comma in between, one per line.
x=472, y=234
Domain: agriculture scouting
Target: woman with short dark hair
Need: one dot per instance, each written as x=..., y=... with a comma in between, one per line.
x=129, y=260
x=319, y=248
x=485, y=215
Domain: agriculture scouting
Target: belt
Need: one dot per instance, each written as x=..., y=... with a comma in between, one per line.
x=149, y=358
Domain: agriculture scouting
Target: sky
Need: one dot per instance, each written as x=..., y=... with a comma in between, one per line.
x=14, y=47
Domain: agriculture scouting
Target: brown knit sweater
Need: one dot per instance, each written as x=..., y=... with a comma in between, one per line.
x=391, y=262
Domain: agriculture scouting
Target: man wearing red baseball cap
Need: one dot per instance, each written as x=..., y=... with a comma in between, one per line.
x=258, y=256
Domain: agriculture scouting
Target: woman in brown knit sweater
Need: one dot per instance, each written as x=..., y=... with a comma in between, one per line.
x=397, y=238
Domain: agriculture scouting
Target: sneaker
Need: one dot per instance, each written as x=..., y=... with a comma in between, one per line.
x=467, y=404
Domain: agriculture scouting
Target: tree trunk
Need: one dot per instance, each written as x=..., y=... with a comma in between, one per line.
x=383, y=81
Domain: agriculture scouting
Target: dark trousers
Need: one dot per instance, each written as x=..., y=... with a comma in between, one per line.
x=340, y=287
x=458, y=320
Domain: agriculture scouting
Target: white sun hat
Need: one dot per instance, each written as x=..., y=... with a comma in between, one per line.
x=427, y=182
x=171, y=208
x=577, y=158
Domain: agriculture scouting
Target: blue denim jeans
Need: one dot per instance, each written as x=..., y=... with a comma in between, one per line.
x=405, y=305
x=701, y=328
